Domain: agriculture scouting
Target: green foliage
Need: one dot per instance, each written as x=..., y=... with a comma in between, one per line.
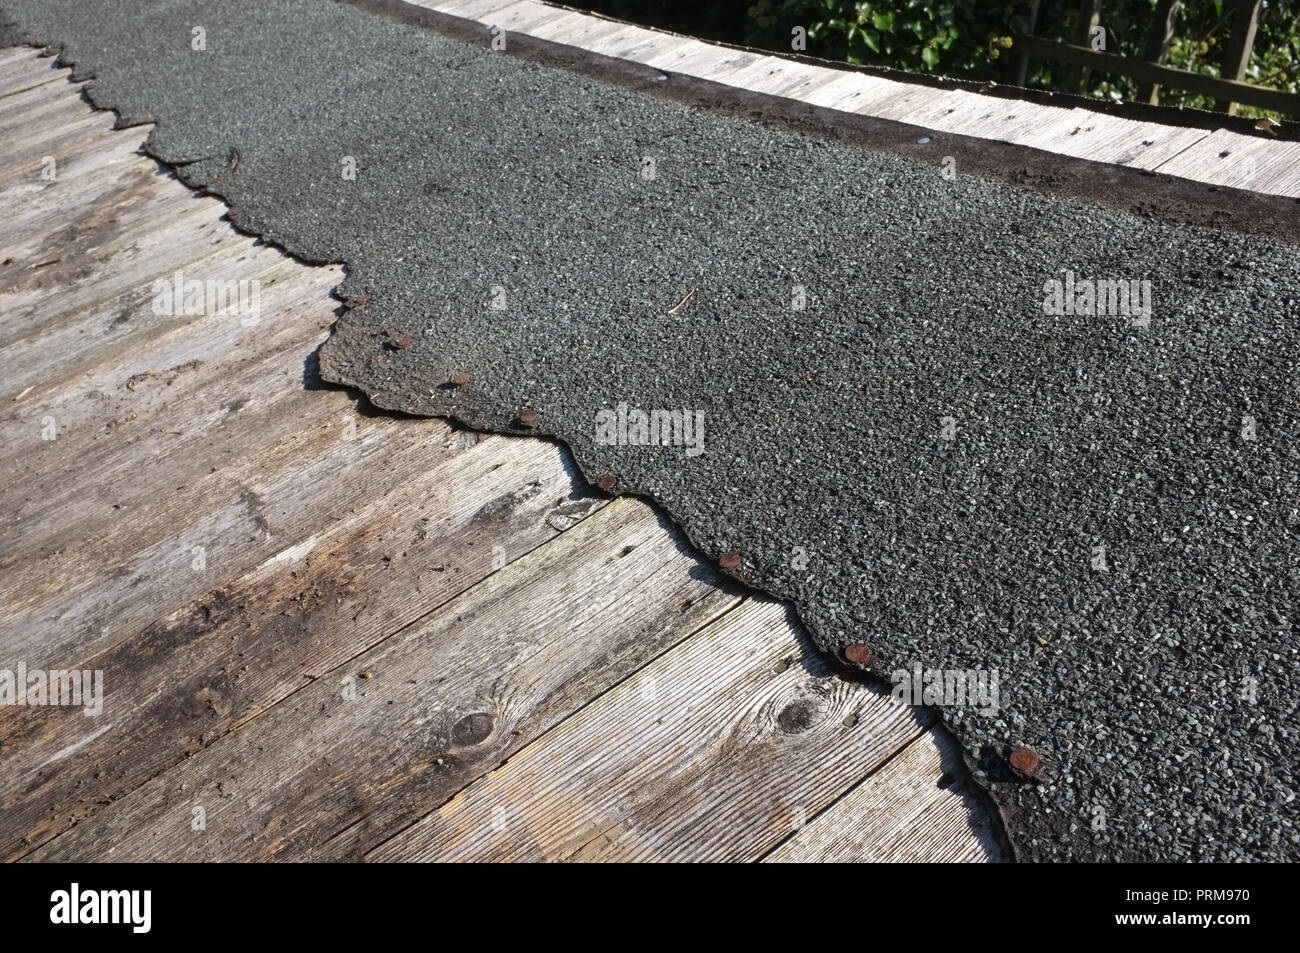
x=971, y=39
x=1202, y=35
x=916, y=35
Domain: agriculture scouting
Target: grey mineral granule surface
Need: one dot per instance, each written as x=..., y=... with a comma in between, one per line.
x=1101, y=509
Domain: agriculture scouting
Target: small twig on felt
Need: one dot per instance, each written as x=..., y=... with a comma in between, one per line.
x=233, y=165
x=683, y=301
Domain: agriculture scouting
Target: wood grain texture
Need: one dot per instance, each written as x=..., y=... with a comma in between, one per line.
x=327, y=775
x=169, y=387
x=18, y=182
x=16, y=54
x=109, y=251
x=24, y=67
x=668, y=57
x=690, y=759
x=83, y=179
x=1119, y=141
x=636, y=45
x=47, y=103
x=29, y=146
x=945, y=112
x=64, y=346
x=525, y=16
x=909, y=811
x=1256, y=163
x=853, y=92
x=776, y=77
x=576, y=29
x=715, y=63
x=188, y=679
x=1005, y=120
x=480, y=10
x=906, y=104
x=37, y=73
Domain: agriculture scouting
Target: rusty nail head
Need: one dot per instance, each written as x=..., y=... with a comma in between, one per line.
x=607, y=482
x=359, y=300
x=859, y=653
x=528, y=418
x=1024, y=760
x=404, y=341
x=461, y=379
x=729, y=560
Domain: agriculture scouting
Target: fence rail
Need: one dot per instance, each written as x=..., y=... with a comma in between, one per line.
x=1152, y=73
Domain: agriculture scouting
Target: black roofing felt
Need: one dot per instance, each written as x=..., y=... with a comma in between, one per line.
x=893, y=429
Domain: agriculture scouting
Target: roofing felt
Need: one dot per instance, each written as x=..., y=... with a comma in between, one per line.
x=910, y=411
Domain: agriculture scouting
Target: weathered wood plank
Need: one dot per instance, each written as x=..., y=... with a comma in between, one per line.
x=16, y=54
x=776, y=77
x=635, y=44
x=946, y=110
x=30, y=110
x=1228, y=158
x=23, y=155
x=525, y=16
x=22, y=63
x=577, y=30
x=904, y=106
x=714, y=64
x=70, y=344
x=690, y=759
x=26, y=149
x=1041, y=130
x=1140, y=145
x=1004, y=119
x=16, y=172
x=19, y=111
x=899, y=813
x=107, y=217
x=331, y=772
x=255, y=471
x=1102, y=138
x=73, y=186
x=106, y=252
x=186, y=680
x=854, y=92
x=613, y=42
x=481, y=10
x=179, y=377
x=670, y=57
x=806, y=80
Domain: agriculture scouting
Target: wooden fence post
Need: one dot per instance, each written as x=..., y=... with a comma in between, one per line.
x=1159, y=37
x=1089, y=17
x=1019, y=71
x=1199, y=84
x=1236, y=56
